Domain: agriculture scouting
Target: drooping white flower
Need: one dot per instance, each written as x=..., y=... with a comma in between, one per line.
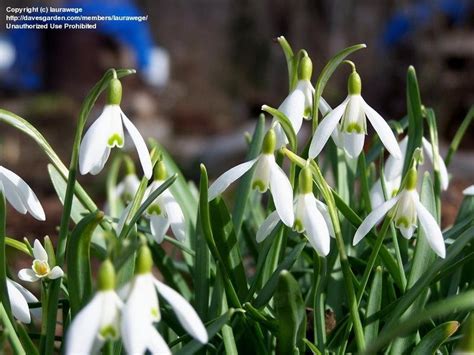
x=394, y=169
x=141, y=311
x=99, y=320
x=267, y=175
x=469, y=191
x=299, y=102
x=19, y=194
x=107, y=132
x=40, y=268
x=407, y=209
x=19, y=298
x=349, y=119
x=128, y=187
x=165, y=211
x=311, y=217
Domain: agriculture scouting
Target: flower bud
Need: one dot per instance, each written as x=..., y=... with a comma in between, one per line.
x=114, y=96
x=48, y=246
x=144, y=261
x=160, y=173
x=106, y=280
x=269, y=142
x=305, y=180
x=305, y=68
x=354, y=84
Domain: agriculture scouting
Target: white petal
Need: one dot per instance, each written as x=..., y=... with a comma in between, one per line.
x=156, y=344
x=383, y=130
x=100, y=162
x=315, y=226
x=431, y=228
x=55, y=273
x=325, y=128
x=394, y=167
x=282, y=194
x=18, y=303
x=186, y=314
x=407, y=233
x=159, y=225
x=140, y=144
x=22, y=191
x=39, y=252
x=223, y=181
x=293, y=108
x=83, y=331
x=353, y=143
x=175, y=218
x=443, y=172
x=469, y=191
x=376, y=194
x=94, y=144
x=324, y=107
x=27, y=275
x=280, y=136
x=373, y=218
x=267, y=226
x=325, y=212
x=115, y=128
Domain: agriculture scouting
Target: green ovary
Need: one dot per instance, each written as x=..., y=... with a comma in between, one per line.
x=115, y=140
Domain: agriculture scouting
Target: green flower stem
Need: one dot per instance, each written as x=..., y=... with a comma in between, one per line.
x=111, y=186
x=346, y=269
x=4, y=299
x=319, y=323
x=44, y=314
x=9, y=329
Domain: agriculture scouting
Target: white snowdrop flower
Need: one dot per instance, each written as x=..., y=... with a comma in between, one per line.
x=99, y=320
x=19, y=298
x=165, y=211
x=19, y=194
x=311, y=217
x=141, y=311
x=407, y=209
x=107, y=132
x=349, y=119
x=469, y=191
x=40, y=268
x=394, y=169
x=299, y=102
x=128, y=187
x=267, y=175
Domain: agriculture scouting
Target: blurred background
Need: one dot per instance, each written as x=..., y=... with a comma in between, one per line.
x=205, y=67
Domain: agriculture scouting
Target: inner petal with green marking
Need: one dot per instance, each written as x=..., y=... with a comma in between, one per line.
x=115, y=140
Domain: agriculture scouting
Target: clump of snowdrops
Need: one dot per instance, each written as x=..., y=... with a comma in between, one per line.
x=328, y=245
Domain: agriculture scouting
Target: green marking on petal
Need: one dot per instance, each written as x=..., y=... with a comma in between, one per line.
x=259, y=185
x=394, y=192
x=115, y=140
x=298, y=226
x=155, y=312
x=403, y=221
x=154, y=209
x=108, y=332
x=307, y=112
x=354, y=128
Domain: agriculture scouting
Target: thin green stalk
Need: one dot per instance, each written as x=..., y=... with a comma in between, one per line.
x=319, y=323
x=4, y=298
x=9, y=328
x=44, y=315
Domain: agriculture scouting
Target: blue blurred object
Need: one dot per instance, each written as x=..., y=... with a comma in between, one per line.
x=413, y=17
x=26, y=71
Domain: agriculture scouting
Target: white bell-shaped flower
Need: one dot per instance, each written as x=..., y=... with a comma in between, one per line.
x=268, y=175
x=165, y=211
x=99, y=320
x=128, y=187
x=19, y=298
x=20, y=195
x=311, y=217
x=141, y=311
x=349, y=119
x=407, y=209
x=394, y=169
x=299, y=102
x=40, y=269
x=107, y=132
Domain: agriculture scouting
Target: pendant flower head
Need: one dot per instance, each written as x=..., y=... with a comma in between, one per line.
x=268, y=175
x=349, y=119
x=141, y=310
x=299, y=102
x=19, y=194
x=394, y=169
x=19, y=298
x=40, y=268
x=107, y=132
x=311, y=217
x=406, y=209
x=165, y=211
x=99, y=320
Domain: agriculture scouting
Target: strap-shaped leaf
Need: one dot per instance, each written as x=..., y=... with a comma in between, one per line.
x=435, y=338
x=285, y=124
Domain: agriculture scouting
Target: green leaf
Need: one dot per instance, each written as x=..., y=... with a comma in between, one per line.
x=437, y=336
x=4, y=298
x=373, y=306
x=312, y=347
x=324, y=76
x=10, y=331
x=453, y=147
x=291, y=62
x=285, y=123
x=290, y=313
x=415, y=117
x=78, y=261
